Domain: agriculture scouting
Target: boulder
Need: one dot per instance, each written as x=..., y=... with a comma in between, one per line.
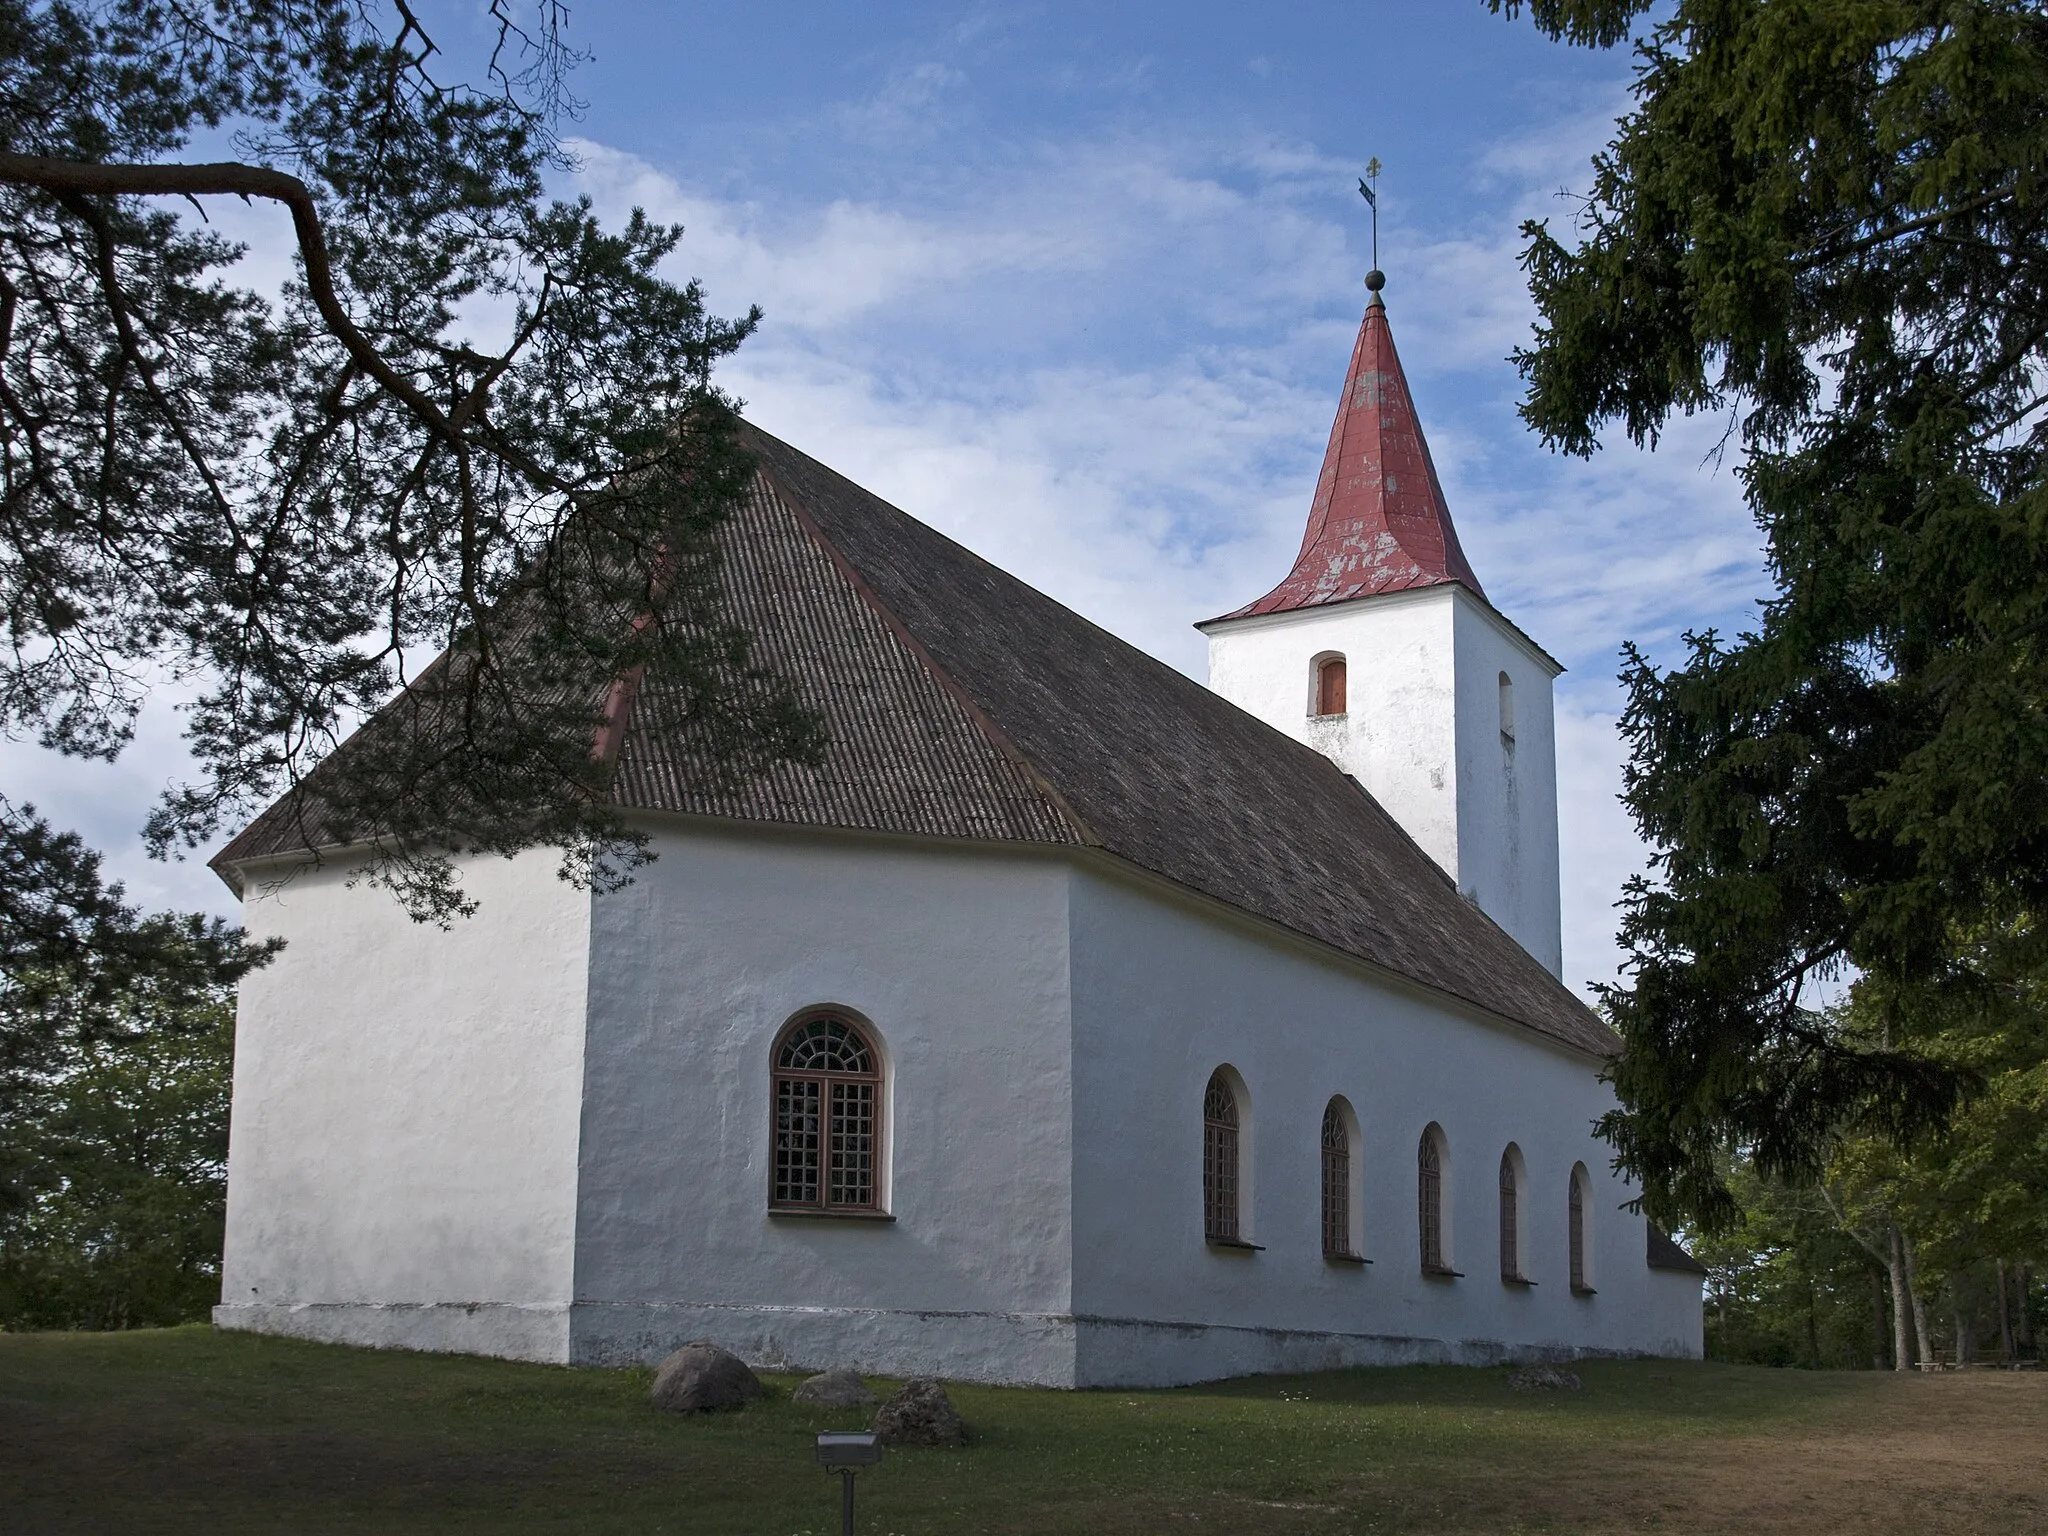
x=834, y=1389
x=920, y=1414
x=1545, y=1378
x=701, y=1376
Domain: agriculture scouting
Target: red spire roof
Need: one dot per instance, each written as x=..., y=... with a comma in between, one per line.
x=1378, y=522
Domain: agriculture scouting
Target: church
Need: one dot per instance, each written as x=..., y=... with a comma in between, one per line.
x=1070, y=1024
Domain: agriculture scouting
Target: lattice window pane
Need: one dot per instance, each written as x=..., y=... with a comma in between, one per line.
x=797, y=1140
x=1336, y=1184
x=826, y=1045
x=1219, y=1161
x=1429, y=1204
x=853, y=1145
x=1510, y=1223
x=1577, y=1224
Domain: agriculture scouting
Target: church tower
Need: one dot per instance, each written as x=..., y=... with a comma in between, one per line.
x=1381, y=651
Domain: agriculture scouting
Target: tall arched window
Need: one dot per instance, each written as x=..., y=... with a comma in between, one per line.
x=1220, y=1161
x=828, y=1117
x=1507, y=709
x=1331, y=686
x=1577, y=1234
x=1337, y=1184
x=1510, y=1218
x=1429, y=1202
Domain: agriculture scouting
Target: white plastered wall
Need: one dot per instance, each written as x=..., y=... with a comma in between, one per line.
x=957, y=958
x=402, y=1156
x=1166, y=992
x=1421, y=732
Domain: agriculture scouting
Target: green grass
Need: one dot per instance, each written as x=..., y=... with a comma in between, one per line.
x=191, y=1430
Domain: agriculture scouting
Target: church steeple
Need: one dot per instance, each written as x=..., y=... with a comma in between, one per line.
x=1379, y=522
x=1382, y=652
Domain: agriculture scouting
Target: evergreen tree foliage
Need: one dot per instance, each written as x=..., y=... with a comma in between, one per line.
x=475, y=421
x=1826, y=221
x=115, y=1034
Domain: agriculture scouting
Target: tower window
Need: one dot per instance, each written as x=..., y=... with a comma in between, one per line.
x=1330, y=686
x=1507, y=709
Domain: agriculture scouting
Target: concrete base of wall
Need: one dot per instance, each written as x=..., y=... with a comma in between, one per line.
x=996, y=1348
x=538, y=1332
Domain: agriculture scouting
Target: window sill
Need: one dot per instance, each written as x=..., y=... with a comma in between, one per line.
x=807, y=1213
x=1235, y=1244
x=1441, y=1272
x=1520, y=1282
x=1584, y=1290
x=1346, y=1258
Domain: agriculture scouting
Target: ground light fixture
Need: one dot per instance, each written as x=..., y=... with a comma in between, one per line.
x=846, y=1451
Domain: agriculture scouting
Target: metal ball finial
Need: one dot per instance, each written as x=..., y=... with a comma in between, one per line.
x=1375, y=280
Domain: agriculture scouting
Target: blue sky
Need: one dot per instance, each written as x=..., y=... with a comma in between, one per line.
x=1077, y=285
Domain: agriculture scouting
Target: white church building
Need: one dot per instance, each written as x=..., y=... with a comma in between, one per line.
x=1071, y=1023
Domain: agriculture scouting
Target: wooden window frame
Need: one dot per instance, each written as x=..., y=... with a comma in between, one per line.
x=1340, y=1243
x=837, y=1099
x=1576, y=1234
x=1332, y=684
x=1223, y=1164
x=1429, y=1206
x=1511, y=1221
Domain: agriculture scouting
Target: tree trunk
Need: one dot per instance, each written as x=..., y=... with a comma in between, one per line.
x=2004, y=1316
x=1923, y=1338
x=1964, y=1342
x=1877, y=1323
x=1812, y=1328
x=1902, y=1305
x=2026, y=1318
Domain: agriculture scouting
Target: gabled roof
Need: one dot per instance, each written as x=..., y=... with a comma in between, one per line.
x=1378, y=522
x=961, y=703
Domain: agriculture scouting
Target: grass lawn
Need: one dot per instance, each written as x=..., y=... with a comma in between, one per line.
x=191, y=1430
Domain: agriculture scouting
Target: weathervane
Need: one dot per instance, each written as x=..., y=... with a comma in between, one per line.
x=1367, y=189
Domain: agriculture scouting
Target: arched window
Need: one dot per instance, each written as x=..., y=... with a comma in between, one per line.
x=1507, y=709
x=1337, y=1184
x=1510, y=1218
x=1577, y=1234
x=1330, y=686
x=828, y=1117
x=1220, y=1161
x=1429, y=1201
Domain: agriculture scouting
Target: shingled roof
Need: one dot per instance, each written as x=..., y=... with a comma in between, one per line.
x=962, y=703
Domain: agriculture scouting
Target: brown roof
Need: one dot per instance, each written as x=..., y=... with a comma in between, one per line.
x=962, y=703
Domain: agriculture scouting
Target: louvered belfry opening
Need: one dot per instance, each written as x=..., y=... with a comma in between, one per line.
x=1429, y=1203
x=1510, y=1220
x=1336, y=1184
x=1331, y=686
x=1219, y=1161
x=828, y=1094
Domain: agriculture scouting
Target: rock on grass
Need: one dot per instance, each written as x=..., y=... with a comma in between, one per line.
x=921, y=1414
x=834, y=1389
x=701, y=1376
x=1545, y=1378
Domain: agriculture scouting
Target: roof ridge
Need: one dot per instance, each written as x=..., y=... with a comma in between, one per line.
x=993, y=733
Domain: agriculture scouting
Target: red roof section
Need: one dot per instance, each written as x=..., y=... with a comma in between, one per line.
x=1379, y=522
